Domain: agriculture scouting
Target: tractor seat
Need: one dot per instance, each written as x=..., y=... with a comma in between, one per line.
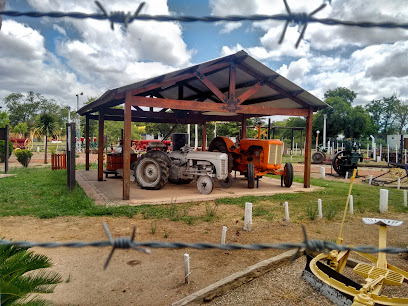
x=387, y=222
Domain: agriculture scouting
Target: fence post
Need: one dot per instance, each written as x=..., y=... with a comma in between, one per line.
x=287, y=211
x=248, y=217
x=223, y=234
x=351, y=203
x=186, y=268
x=322, y=172
x=383, y=200
x=319, y=208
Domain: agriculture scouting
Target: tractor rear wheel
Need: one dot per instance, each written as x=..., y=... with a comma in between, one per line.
x=218, y=145
x=288, y=175
x=151, y=173
x=251, y=175
x=227, y=183
x=159, y=154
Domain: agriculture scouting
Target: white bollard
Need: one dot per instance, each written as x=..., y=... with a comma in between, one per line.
x=248, y=217
x=287, y=211
x=383, y=200
x=187, y=268
x=346, y=177
x=319, y=208
x=399, y=183
x=224, y=234
x=38, y=149
x=322, y=172
x=371, y=180
x=405, y=198
x=368, y=150
x=351, y=203
x=388, y=154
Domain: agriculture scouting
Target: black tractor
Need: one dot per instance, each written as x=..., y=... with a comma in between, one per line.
x=347, y=160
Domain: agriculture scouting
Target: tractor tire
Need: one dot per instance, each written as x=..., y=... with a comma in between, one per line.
x=159, y=154
x=251, y=175
x=318, y=157
x=151, y=173
x=288, y=176
x=218, y=145
x=227, y=183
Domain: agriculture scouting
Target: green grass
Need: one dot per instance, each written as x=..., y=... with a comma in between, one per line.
x=43, y=193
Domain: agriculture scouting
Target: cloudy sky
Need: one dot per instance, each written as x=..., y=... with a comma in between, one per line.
x=60, y=58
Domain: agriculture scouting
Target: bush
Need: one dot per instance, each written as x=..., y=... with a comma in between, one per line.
x=23, y=156
x=3, y=150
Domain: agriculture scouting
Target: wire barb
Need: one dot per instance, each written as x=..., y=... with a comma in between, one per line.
x=119, y=16
x=121, y=243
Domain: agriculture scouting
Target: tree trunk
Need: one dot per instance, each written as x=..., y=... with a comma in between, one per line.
x=46, y=147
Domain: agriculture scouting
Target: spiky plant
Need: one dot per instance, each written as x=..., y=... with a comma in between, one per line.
x=22, y=275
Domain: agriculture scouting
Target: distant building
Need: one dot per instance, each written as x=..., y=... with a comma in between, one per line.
x=395, y=140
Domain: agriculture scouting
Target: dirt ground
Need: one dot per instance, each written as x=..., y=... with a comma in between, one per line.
x=135, y=278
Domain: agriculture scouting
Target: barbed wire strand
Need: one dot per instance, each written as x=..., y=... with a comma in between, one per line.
x=311, y=245
x=125, y=18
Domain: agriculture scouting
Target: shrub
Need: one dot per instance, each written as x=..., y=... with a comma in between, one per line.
x=3, y=150
x=23, y=156
x=22, y=274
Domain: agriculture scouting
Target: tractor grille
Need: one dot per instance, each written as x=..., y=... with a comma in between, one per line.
x=223, y=167
x=275, y=154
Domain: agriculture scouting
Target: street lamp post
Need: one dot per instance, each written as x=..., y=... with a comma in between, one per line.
x=78, y=130
x=324, y=130
x=317, y=139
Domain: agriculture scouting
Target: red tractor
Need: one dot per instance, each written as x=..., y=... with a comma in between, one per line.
x=254, y=158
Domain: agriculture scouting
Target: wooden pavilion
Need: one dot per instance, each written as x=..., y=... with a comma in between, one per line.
x=231, y=88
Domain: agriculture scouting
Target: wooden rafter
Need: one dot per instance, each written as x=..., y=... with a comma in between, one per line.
x=211, y=86
x=246, y=95
x=273, y=86
x=232, y=81
x=215, y=107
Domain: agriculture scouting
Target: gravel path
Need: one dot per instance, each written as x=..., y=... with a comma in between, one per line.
x=283, y=286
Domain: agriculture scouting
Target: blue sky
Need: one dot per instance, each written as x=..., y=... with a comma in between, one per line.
x=62, y=57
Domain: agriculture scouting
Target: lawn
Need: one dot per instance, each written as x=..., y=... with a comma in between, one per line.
x=42, y=193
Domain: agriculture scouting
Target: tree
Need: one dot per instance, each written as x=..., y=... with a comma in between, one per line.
x=46, y=126
x=4, y=119
x=342, y=117
x=22, y=274
x=21, y=128
x=383, y=113
x=401, y=116
x=345, y=94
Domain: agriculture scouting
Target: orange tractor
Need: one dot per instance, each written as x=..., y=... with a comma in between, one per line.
x=254, y=158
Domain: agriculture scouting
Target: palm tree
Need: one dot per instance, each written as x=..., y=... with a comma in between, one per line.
x=22, y=275
x=46, y=126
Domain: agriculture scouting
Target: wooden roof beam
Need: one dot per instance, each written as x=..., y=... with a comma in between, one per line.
x=215, y=107
x=273, y=86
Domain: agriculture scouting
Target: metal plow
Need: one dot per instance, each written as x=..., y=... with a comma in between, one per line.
x=325, y=272
x=395, y=172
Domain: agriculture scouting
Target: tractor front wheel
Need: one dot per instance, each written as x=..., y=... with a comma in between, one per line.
x=205, y=184
x=288, y=175
x=251, y=175
x=151, y=173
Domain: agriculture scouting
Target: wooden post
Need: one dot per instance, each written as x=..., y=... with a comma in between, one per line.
x=71, y=155
x=243, y=128
x=87, y=143
x=126, y=147
x=308, y=149
x=204, y=130
x=100, y=146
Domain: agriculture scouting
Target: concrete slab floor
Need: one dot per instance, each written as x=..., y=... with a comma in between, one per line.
x=109, y=191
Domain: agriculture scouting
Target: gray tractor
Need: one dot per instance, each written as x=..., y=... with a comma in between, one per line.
x=155, y=168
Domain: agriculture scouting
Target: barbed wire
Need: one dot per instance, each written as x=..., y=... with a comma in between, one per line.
x=310, y=245
x=125, y=18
